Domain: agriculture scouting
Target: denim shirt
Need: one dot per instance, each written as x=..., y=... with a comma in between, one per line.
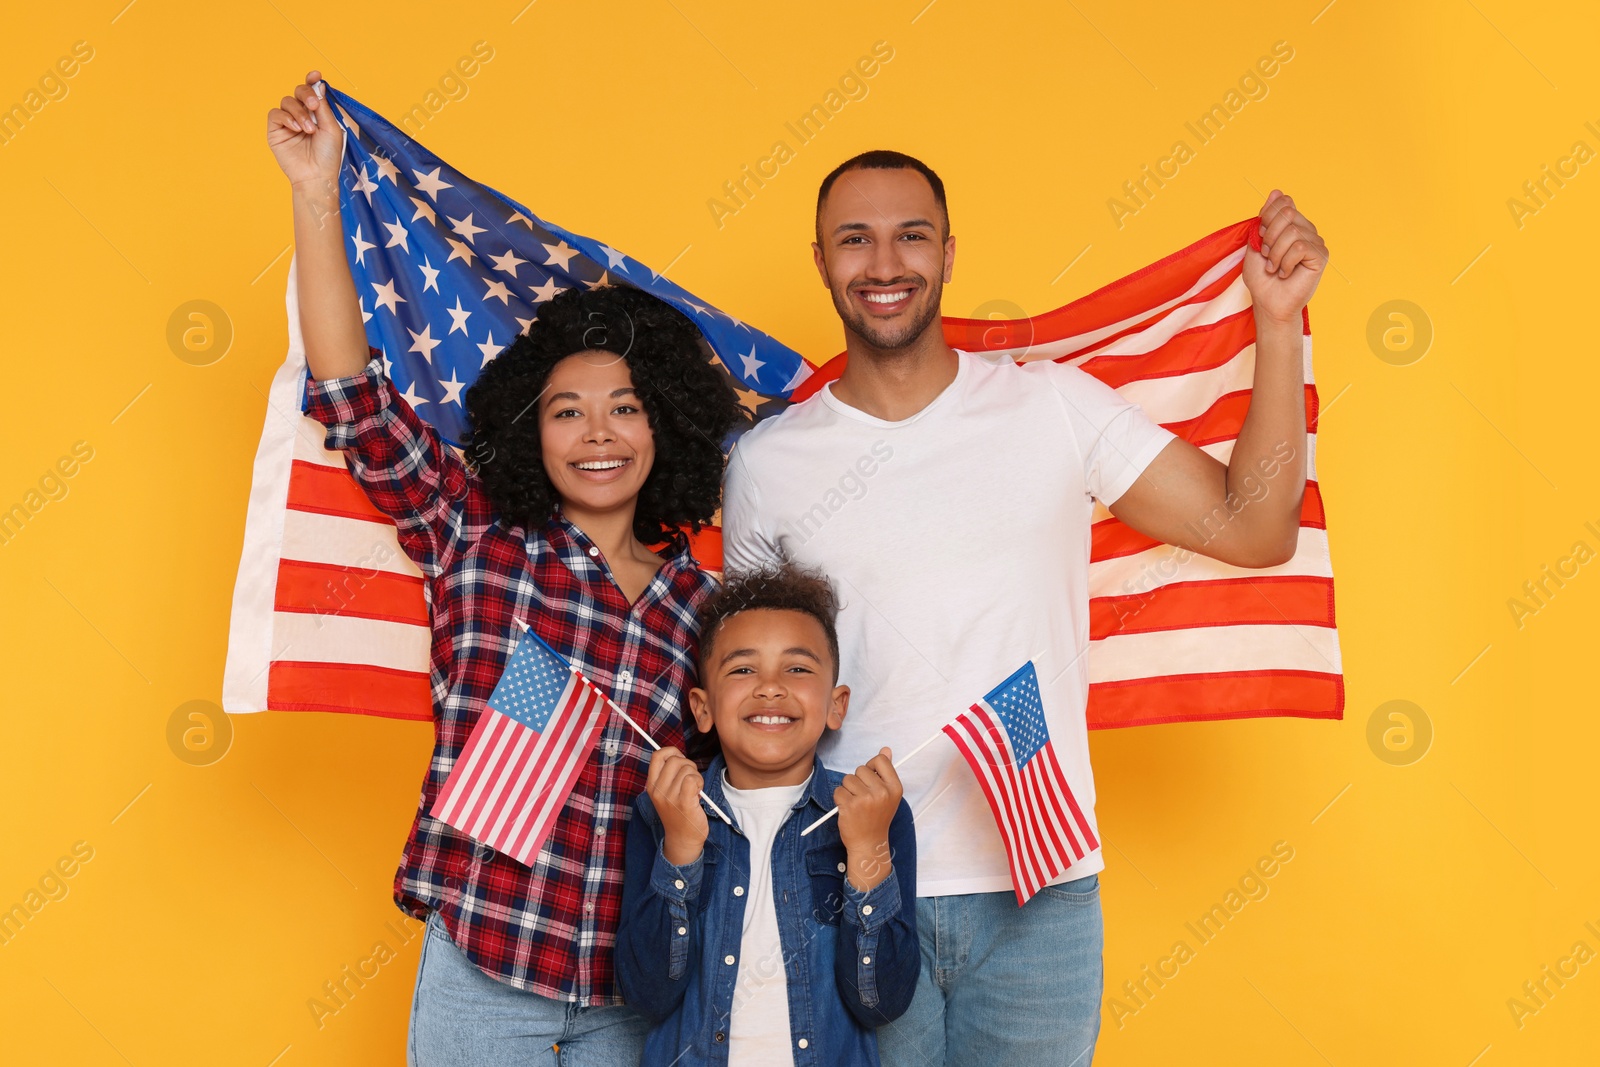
x=850, y=958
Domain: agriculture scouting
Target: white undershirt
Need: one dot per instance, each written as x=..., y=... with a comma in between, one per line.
x=758, y=1035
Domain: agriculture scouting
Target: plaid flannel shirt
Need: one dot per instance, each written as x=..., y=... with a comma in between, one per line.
x=550, y=928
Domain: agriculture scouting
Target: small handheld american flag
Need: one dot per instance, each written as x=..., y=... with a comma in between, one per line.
x=1007, y=743
x=525, y=753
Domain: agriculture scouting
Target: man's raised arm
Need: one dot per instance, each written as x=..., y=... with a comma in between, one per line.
x=1247, y=512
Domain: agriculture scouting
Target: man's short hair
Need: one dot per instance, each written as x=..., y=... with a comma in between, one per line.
x=884, y=159
x=778, y=588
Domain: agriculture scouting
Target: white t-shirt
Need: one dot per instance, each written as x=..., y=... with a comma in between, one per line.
x=758, y=1034
x=958, y=540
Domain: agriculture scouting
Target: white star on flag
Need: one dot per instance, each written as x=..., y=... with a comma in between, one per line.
x=354, y=129
x=412, y=398
x=490, y=349
x=562, y=252
x=364, y=184
x=508, y=262
x=751, y=364
x=430, y=275
x=361, y=247
x=452, y=390
x=458, y=319
x=423, y=342
x=547, y=291
x=431, y=183
x=397, y=235
x=387, y=297
x=465, y=227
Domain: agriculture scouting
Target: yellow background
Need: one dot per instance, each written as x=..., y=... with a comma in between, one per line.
x=1420, y=897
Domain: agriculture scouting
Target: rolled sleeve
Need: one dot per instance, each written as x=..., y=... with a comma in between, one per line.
x=405, y=469
x=342, y=404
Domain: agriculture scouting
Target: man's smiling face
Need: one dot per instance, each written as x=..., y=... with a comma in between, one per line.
x=884, y=252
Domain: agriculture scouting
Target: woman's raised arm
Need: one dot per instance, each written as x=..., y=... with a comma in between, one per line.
x=309, y=145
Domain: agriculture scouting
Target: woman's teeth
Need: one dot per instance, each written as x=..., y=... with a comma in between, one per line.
x=600, y=465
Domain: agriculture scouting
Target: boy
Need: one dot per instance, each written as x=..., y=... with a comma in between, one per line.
x=752, y=944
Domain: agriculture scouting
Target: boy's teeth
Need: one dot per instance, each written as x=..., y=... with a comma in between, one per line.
x=771, y=720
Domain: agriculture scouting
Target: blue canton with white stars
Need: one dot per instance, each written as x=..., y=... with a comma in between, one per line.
x=530, y=689
x=1016, y=702
x=449, y=272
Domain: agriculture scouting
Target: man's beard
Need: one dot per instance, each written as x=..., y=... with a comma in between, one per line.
x=889, y=336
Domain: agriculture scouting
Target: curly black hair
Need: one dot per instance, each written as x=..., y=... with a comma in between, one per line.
x=691, y=406
x=777, y=587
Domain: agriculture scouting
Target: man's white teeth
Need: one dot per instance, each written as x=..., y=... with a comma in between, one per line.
x=601, y=465
x=885, y=298
x=771, y=720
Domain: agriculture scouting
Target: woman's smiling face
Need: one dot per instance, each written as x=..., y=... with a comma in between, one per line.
x=594, y=434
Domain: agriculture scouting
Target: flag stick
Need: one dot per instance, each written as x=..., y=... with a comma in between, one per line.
x=901, y=762
x=612, y=704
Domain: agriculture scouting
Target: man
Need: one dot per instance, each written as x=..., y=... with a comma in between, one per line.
x=949, y=497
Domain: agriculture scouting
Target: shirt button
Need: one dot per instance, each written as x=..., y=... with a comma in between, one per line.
x=738, y=890
x=841, y=868
x=683, y=930
x=728, y=960
x=866, y=959
x=866, y=909
x=594, y=551
x=721, y=1036
x=678, y=883
x=600, y=831
x=625, y=677
x=803, y=1043
x=588, y=907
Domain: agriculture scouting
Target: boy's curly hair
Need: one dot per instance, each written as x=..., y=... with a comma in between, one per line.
x=777, y=587
x=690, y=404
x=782, y=587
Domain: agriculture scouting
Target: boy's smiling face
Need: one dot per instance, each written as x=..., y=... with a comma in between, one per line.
x=768, y=689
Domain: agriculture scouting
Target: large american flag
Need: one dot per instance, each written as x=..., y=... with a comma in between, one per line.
x=527, y=749
x=1007, y=744
x=329, y=614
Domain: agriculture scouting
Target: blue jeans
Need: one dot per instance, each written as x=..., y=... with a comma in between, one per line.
x=1003, y=986
x=460, y=1017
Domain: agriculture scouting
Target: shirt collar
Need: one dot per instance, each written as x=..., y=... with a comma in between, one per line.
x=582, y=557
x=817, y=790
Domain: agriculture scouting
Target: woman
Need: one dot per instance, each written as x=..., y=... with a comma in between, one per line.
x=593, y=438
